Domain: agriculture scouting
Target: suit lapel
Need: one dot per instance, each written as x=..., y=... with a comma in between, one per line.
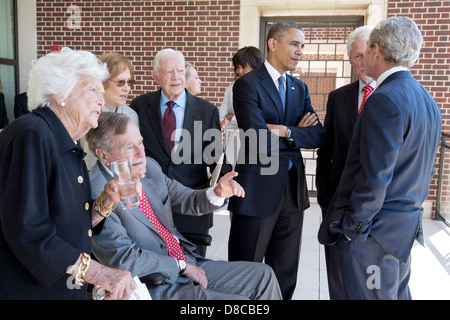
x=154, y=118
x=271, y=89
x=292, y=94
x=136, y=212
x=191, y=113
x=351, y=102
x=151, y=191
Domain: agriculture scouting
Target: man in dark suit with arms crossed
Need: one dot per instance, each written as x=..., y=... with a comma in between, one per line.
x=267, y=223
x=376, y=212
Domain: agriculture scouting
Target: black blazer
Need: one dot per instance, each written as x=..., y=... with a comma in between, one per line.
x=257, y=103
x=20, y=105
x=45, y=208
x=388, y=169
x=3, y=115
x=342, y=111
x=200, y=116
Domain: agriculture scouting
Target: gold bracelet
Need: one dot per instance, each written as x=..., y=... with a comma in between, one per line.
x=81, y=273
x=97, y=209
x=101, y=204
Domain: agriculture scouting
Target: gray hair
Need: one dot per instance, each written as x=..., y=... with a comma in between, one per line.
x=110, y=125
x=280, y=29
x=359, y=34
x=163, y=54
x=57, y=73
x=400, y=39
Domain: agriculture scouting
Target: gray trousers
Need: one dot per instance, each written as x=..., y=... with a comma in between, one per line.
x=240, y=280
x=369, y=273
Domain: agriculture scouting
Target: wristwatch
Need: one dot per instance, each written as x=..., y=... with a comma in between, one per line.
x=288, y=133
x=97, y=209
x=181, y=266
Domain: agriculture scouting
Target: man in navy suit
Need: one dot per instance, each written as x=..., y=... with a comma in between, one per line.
x=376, y=212
x=342, y=111
x=267, y=223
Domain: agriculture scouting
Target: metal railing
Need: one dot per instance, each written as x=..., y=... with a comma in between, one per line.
x=444, y=145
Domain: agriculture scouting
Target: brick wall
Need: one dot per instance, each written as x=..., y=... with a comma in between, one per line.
x=432, y=69
x=207, y=32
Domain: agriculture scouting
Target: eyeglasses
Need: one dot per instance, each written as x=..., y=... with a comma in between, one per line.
x=121, y=83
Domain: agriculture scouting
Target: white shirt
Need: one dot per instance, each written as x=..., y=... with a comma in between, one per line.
x=178, y=110
x=274, y=74
x=387, y=73
x=226, y=108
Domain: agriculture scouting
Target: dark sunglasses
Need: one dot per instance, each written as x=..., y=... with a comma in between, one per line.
x=121, y=83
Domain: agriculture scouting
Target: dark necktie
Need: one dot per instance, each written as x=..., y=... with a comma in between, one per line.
x=169, y=123
x=282, y=91
x=367, y=91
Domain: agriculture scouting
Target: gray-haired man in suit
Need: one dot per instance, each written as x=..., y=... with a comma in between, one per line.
x=376, y=211
x=130, y=241
x=195, y=121
x=342, y=111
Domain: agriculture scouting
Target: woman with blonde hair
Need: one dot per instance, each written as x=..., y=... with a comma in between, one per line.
x=193, y=81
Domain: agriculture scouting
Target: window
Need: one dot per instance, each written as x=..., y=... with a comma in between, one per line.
x=8, y=54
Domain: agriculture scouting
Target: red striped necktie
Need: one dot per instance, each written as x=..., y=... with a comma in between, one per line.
x=367, y=91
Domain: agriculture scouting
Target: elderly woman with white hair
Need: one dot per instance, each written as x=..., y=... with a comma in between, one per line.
x=47, y=213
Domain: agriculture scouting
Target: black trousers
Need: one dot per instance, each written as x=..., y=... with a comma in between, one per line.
x=334, y=275
x=276, y=239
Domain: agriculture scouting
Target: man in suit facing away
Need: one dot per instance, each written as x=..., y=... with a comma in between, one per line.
x=145, y=241
x=377, y=210
x=181, y=155
x=267, y=223
x=342, y=111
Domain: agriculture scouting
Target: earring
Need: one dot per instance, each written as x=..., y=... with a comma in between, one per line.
x=63, y=104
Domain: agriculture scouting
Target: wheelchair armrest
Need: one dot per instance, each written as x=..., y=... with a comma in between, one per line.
x=198, y=238
x=154, y=279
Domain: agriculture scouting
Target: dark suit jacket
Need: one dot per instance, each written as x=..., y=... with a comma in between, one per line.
x=342, y=111
x=200, y=116
x=20, y=105
x=256, y=104
x=3, y=115
x=389, y=166
x=45, y=223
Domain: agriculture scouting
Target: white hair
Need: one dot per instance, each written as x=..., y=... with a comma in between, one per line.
x=359, y=34
x=57, y=73
x=162, y=54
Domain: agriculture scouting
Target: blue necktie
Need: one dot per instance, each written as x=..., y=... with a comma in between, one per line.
x=282, y=91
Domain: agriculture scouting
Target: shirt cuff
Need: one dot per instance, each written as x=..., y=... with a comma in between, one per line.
x=213, y=199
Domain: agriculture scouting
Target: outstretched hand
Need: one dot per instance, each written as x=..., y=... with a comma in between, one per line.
x=226, y=187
